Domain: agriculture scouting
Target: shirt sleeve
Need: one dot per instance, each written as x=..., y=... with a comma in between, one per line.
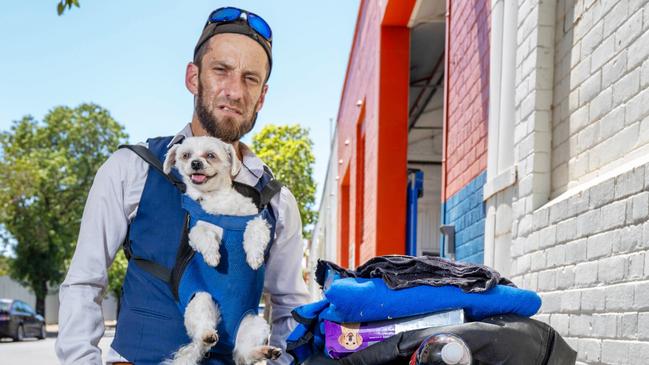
x=112, y=201
x=284, y=280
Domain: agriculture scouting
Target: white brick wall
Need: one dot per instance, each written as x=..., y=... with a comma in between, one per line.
x=580, y=219
x=588, y=257
x=600, y=75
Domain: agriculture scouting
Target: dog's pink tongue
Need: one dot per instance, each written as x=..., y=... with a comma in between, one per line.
x=198, y=178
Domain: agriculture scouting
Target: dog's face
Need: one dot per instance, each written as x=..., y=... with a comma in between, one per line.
x=206, y=164
x=350, y=338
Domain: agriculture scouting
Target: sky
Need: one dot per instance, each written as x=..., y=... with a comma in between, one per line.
x=130, y=58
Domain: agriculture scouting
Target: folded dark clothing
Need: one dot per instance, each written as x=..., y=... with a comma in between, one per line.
x=401, y=272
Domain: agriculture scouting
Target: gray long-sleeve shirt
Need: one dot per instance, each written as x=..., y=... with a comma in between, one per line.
x=112, y=203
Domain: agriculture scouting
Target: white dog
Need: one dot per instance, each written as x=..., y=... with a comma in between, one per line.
x=207, y=166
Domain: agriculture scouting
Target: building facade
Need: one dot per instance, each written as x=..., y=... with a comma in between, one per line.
x=324, y=235
x=389, y=123
x=580, y=205
x=530, y=122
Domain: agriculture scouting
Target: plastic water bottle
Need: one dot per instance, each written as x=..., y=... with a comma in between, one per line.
x=442, y=349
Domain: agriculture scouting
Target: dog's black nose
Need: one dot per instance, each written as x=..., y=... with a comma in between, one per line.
x=197, y=165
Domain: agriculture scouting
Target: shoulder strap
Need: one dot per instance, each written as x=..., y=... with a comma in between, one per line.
x=248, y=191
x=261, y=197
x=151, y=267
x=272, y=187
x=268, y=172
x=183, y=255
x=153, y=161
x=154, y=269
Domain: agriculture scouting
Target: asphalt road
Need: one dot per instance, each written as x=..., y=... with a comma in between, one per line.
x=37, y=352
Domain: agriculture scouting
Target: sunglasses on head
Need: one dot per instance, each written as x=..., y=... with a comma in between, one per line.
x=231, y=14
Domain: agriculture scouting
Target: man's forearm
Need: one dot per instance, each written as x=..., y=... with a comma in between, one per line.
x=281, y=328
x=113, y=197
x=81, y=325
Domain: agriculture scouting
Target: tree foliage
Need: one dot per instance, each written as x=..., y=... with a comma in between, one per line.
x=46, y=170
x=4, y=265
x=288, y=151
x=116, y=274
x=64, y=5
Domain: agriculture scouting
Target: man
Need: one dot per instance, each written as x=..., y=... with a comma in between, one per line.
x=232, y=63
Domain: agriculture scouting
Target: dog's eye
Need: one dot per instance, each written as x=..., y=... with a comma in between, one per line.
x=211, y=156
x=185, y=155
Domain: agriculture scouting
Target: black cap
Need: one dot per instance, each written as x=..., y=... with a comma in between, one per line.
x=239, y=27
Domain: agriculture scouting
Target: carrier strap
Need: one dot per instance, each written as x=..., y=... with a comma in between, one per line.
x=273, y=187
x=183, y=257
x=154, y=269
x=153, y=161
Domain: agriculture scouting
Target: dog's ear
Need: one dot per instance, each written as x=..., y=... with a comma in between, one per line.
x=341, y=339
x=234, y=160
x=170, y=159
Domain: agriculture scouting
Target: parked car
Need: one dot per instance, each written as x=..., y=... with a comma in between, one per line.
x=18, y=320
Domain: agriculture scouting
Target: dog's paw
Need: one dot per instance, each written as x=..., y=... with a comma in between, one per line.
x=258, y=354
x=210, y=337
x=255, y=239
x=255, y=259
x=206, y=239
x=212, y=257
x=271, y=353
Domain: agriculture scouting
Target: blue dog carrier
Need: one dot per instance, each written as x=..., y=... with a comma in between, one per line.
x=164, y=272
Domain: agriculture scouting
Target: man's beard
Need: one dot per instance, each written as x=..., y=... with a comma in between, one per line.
x=226, y=129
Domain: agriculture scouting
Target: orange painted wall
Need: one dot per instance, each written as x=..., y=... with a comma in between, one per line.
x=375, y=93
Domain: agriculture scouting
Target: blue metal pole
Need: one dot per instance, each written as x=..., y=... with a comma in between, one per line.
x=415, y=190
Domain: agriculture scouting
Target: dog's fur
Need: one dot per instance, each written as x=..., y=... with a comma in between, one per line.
x=207, y=166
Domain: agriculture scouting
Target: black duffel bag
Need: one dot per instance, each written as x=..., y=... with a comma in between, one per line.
x=502, y=340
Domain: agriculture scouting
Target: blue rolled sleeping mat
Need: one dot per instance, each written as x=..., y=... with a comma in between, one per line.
x=365, y=299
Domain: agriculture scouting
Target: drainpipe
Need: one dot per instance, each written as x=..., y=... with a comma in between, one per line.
x=496, y=75
x=415, y=191
x=507, y=93
x=501, y=124
x=447, y=55
x=495, y=83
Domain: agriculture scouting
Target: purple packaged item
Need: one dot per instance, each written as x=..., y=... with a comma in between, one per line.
x=343, y=339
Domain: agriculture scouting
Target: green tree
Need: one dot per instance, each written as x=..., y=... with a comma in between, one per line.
x=66, y=4
x=116, y=275
x=288, y=151
x=4, y=265
x=46, y=170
